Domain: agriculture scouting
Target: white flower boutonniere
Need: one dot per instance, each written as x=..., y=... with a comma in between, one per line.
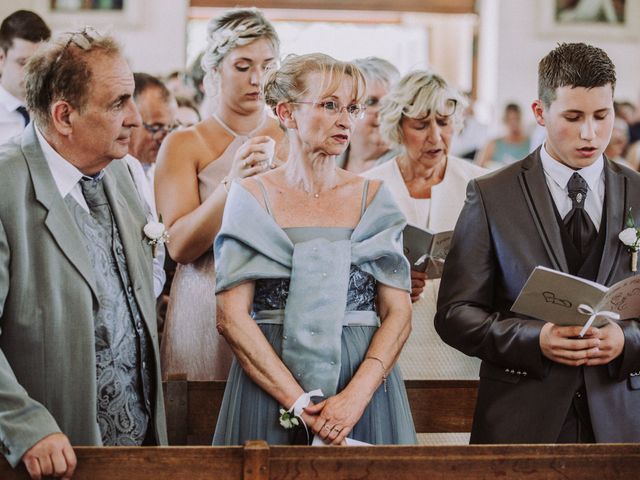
x=630, y=236
x=156, y=233
x=287, y=419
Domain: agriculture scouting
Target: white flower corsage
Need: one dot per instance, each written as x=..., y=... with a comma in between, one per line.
x=156, y=233
x=288, y=419
x=630, y=236
x=292, y=417
x=226, y=38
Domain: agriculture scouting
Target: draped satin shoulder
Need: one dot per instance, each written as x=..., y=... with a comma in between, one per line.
x=191, y=345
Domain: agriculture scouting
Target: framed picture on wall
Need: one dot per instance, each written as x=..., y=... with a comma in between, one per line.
x=97, y=13
x=590, y=19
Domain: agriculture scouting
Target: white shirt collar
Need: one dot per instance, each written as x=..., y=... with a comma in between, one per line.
x=64, y=173
x=9, y=101
x=561, y=174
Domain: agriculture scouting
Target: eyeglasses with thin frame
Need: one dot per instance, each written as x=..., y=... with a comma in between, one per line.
x=355, y=110
x=156, y=128
x=449, y=106
x=83, y=39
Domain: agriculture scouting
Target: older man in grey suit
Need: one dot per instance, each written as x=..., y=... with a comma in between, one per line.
x=562, y=207
x=78, y=359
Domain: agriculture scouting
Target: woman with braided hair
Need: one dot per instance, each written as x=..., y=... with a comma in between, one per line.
x=195, y=168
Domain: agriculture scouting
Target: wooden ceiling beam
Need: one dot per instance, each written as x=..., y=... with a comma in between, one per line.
x=425, y=6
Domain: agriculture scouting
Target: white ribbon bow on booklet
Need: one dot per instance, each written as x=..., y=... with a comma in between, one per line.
x=567, y=300
x=587, y=310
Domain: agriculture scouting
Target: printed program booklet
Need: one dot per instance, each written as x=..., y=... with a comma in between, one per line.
x=564, y=299
x=426, y=250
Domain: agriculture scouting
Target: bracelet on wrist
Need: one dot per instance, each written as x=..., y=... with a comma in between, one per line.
x=384, y=370
x=226, y=181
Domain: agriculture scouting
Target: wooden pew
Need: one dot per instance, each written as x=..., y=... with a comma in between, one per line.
x=438, y=406
x=259, y=461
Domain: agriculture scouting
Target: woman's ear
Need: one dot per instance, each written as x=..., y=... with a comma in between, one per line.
x=284, y=111
x=62, y=117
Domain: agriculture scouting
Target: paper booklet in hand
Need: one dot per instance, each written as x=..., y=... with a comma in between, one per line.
x=426, y=250
x=564, y=299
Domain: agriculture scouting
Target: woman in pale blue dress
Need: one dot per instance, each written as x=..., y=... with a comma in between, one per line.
x=312, y=285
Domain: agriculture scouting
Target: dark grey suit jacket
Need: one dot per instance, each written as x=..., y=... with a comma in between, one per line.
x=506, y=229
x=48, y=298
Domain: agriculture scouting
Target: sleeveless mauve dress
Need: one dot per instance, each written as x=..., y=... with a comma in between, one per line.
x=191, y=344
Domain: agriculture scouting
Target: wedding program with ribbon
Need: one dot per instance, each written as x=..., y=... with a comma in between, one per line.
x=564, y=299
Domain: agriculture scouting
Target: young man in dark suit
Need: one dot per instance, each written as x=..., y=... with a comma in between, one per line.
x=561, y=207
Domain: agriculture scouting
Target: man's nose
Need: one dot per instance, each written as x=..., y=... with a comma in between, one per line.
x=588, y=130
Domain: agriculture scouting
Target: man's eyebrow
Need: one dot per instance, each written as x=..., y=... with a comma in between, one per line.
x=573, y=110
x=122, y=98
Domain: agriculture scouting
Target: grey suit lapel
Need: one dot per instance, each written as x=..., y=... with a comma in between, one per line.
x=616, y=207
x=536, y=193
x=58, y=220
x=130, y=220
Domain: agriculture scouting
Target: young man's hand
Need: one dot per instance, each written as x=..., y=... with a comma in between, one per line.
x=562, y=344
x=611, y=345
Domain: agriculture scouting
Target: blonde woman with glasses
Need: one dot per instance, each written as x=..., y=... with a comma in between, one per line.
x=312, y=284
x=194, y=170
x=419, y=117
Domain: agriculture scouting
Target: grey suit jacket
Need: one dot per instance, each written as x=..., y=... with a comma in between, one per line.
x=48, y=298
x=508, y=227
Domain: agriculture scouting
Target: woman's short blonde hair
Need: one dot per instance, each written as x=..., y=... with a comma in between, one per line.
x=417, y=95
x=289, y=82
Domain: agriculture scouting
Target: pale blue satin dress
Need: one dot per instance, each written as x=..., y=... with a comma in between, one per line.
x=315, y=302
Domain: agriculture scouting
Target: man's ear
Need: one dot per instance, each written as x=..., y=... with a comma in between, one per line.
x=284, y=111
x=3, y=57
x=539, y=111
x=62, y=114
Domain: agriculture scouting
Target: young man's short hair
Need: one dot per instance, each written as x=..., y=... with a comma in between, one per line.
x=574, y=65
x=25, y=25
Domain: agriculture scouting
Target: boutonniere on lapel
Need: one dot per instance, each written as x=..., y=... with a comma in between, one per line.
x=630, y=236
x=156, y=233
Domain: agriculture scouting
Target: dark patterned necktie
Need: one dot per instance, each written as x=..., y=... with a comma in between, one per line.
x=25, y=114
x=579, y=225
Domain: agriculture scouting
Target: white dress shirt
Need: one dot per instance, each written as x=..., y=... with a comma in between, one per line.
x=67, y=178
x=64, y=173
x=557, y=176
x=11, y=121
